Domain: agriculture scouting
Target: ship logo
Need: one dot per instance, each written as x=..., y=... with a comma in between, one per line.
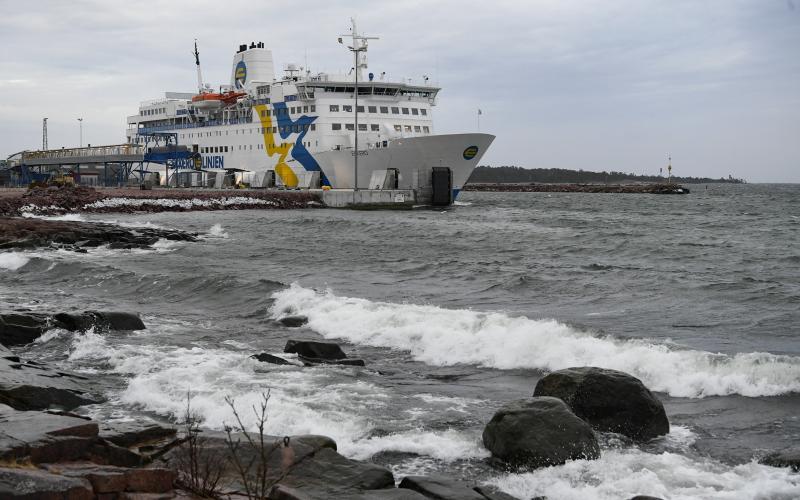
x=241, y=74
x=470, y=152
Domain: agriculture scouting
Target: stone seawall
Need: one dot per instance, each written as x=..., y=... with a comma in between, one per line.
x=60, y=200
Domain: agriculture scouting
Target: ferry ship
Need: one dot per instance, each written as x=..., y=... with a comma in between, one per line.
x=305, y=130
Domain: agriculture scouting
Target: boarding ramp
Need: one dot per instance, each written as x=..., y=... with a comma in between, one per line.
x=116, y=164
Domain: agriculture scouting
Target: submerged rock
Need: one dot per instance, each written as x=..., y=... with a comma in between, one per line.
x=440, y=487
x=539, y=432
x=789, y=457
x=320, y=361
x=315, y=350
x=103, y=320
x=21, y=328
x=29, y=385
x=609, y=400
x=293, y=321
x=492, y=493
x=269, y=358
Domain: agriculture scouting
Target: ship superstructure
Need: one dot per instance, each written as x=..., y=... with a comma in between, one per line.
x=299, y=129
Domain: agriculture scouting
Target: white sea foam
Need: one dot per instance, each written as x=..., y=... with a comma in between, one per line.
x=308, y=401
x=68, y=217
x=216, y=231
x=626, y=473
x=448, y=445
x=445, y=337
x=12, y=260
x=172, y=203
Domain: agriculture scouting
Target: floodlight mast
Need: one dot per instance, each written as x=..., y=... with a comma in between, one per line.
x=359, y=46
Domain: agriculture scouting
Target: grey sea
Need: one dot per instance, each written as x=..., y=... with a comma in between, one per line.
x=457, y=312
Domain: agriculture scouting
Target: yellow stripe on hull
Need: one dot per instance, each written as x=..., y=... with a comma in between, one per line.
x=283, y=170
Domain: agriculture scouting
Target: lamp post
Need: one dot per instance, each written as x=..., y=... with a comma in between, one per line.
x=359, y=46
x=80, y=125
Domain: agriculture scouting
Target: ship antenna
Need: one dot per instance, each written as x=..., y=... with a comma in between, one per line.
x=197, y=62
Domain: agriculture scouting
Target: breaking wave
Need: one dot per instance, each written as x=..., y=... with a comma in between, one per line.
x=12, y=261
x=626, y=473
x=443, y=337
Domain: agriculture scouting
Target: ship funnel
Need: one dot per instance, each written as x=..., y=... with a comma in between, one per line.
x=253, y=64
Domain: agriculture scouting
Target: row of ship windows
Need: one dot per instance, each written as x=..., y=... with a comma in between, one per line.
x=377, y=128
x=292, y=110
x=247, y=147
x=260, y=130
x=347, y=108
x=374, y=127
x=148, y=112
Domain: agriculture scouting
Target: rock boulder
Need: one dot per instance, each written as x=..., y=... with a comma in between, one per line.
x=313, y=349
x=293, y=321
x=103, y=320
x=22, y=328
x=609, y=400
x=539, y=432
x=789, y=457
x=265, y=357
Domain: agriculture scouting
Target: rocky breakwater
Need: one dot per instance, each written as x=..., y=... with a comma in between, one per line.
x=26, y=233
x=57, y=200
x=658, y=188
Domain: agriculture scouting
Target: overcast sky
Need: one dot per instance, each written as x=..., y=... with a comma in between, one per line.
x=598, y=85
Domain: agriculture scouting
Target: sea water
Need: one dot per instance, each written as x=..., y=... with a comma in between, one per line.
x=457, y=311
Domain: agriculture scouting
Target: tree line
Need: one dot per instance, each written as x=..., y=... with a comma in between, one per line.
x=514, y=174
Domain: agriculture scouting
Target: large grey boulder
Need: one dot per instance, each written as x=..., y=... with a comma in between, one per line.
x=29, y=385
x=609, y=400
x=539, y=432
x=328, y=473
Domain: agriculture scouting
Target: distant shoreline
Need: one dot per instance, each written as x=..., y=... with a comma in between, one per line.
x=485, y=174
x=518, y=187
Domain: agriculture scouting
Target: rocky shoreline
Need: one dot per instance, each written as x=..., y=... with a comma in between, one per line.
x=47, y=451
x=662, y=188
x=58, y=200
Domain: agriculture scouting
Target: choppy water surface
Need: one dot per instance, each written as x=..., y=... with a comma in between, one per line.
x=456, y=312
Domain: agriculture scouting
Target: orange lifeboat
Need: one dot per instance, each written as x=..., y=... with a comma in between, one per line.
x=208, y=100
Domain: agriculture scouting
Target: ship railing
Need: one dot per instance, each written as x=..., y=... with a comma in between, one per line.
x=210, y=123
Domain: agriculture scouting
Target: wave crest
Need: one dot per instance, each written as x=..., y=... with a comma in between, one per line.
x=444, y=337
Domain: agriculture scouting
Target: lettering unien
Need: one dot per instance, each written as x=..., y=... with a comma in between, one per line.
x=213, y=162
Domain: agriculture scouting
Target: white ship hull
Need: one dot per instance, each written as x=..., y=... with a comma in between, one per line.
x=412, y=157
